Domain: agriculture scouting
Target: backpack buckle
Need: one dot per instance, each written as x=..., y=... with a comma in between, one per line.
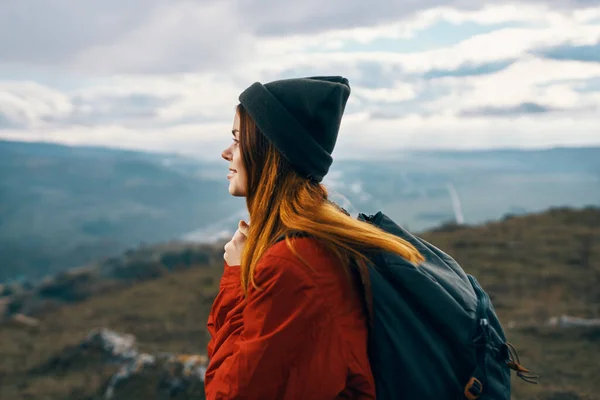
x=473, y=389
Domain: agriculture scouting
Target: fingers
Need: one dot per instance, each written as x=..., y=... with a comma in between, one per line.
x=243, y=227
x=238, y=239
x=227, y=248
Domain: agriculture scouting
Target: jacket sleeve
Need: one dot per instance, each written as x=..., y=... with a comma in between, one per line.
x=257, y=357
x=229, y=300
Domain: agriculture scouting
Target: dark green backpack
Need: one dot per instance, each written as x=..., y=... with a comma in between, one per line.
x=435, y=333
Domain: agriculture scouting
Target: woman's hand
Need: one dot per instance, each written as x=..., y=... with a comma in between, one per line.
x=235, y=247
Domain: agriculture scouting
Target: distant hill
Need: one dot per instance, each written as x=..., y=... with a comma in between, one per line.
x=425, y=189
x=535, y=267
x=61, y=207
x=64, y=206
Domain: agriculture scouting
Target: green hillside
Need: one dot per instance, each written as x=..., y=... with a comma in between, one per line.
x=535, y=267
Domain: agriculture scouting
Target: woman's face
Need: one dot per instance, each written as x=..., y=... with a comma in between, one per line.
x=237, y=174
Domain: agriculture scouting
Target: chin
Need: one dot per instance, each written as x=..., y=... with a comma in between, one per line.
x=235, y=191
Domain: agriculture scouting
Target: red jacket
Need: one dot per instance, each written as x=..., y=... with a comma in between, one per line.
x=302, y=335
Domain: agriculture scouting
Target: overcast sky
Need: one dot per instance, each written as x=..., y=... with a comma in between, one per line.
x=166, y=74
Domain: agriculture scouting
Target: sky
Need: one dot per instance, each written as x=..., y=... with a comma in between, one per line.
x=165, y=75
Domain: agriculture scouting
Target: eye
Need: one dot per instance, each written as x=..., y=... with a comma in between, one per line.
x=235, y=140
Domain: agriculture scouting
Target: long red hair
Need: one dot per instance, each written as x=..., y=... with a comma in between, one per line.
x=281, y=202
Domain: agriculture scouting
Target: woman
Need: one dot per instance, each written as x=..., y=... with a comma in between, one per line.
x=290, y=320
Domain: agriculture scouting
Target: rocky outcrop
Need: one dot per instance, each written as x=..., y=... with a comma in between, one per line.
x=567, y=321
x=134, y=374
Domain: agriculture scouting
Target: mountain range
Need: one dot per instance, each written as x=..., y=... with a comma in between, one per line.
x=63, y=206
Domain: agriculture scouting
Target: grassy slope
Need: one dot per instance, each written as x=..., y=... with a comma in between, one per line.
x=168, y=314
x=534, y=267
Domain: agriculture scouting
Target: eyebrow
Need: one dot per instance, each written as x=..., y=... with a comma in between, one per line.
x=233, y=131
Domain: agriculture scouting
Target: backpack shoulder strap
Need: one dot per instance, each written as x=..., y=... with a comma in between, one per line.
x=295, y=234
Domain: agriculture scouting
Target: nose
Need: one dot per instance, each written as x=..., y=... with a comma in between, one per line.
x=226, y=154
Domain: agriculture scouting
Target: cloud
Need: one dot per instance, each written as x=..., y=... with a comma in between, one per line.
x=519, y=109
x=275, y=18
x=469, y=69
x=398, y=92
x=491, y=50
x=367, y=138
x=590, y=52
x=26, y=104
x=9, y=123
x=128, y=110
x=169, y=76
x=140, y=36
x=132, y=102
x=587, y=85
x=425, y=92
x=46, y=31
x=205, y=140
x=528, y=81
x=174, y=36
x=180, y=36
